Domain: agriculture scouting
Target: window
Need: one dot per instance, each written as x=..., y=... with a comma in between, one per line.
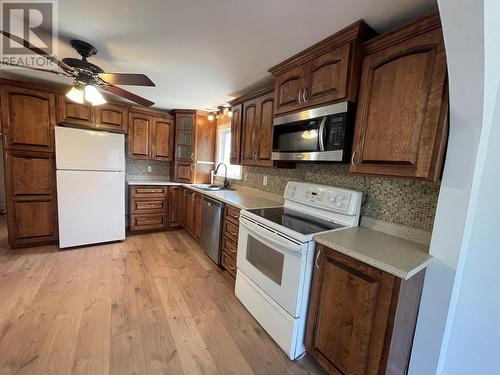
x=223, y=154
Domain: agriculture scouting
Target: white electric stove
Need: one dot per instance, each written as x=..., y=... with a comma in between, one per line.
x=275, y=256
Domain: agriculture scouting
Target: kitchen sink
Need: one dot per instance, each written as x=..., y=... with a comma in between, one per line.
x=208, y=187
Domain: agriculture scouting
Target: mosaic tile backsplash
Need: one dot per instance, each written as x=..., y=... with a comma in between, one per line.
x=408, y=202
x=137, y=167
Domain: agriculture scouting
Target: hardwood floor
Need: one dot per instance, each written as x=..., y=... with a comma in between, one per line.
x=154, y=304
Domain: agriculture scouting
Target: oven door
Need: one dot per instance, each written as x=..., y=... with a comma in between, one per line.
x=276, y=263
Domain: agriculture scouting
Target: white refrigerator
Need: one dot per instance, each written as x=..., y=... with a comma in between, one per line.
x=90, y=186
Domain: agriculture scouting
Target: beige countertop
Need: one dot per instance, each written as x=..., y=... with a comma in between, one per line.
x=153, y=183
x=395, y=255
x=243, y=199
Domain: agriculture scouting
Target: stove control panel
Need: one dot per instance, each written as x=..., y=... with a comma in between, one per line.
x=325, y=197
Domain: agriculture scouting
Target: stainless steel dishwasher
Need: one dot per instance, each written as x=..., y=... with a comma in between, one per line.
x=211, y=227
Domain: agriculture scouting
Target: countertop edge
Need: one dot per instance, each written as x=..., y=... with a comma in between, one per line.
x=374, y=262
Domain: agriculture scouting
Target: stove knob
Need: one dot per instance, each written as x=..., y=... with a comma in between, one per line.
x=332, y=199
x=341, y=196
x=339, y=204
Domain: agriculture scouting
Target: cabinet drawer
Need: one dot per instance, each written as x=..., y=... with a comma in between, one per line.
x=232, y=214
x=151, y=221
x=146, y=206
x=149, y=191
x=229, y=247
x=231, y=230
x=229, y=264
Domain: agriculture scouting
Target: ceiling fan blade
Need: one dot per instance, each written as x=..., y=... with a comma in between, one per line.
x=126, y=79
x=59, y=73
x=128, y=95
x=37, y=50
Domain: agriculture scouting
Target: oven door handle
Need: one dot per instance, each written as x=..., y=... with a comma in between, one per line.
x=272, y=240
x=321, y=134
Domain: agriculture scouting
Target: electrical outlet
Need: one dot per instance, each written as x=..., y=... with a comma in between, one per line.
x=264, y=181
x=149, y=169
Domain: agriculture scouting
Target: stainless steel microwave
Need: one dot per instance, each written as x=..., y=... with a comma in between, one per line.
x=318, y=134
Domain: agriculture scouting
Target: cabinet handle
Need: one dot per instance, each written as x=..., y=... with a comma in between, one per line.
x=304, y=95
x=317, y=259
x=299, y=98
x=192, y=156
x=352, y=158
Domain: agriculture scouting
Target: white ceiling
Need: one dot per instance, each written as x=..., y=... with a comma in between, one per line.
x=200, y=53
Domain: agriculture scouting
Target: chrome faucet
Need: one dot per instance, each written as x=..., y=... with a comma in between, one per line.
x=226, y=182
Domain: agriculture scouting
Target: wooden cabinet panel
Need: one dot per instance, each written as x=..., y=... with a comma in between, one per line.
x=236, y=123
x=28, y=118
x=148, y=222
x=163, y=131
x=289, y=89
x=229, y=247
x=230, y=230
x=327, y=76
x=148, y=205
x=139, y=136
x=149, y=191
x=232, y=214
x=264, y=135
x=30, y=173
x=189, y=211
x=185, y=136
x=401, y=121
x=249, y=132
x=69, y=112
x=183, y=171
x=361, y=320
x=197, y=216
x=175, y=197
x=112, y=117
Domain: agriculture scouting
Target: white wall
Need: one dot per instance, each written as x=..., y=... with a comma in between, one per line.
x=460, y=298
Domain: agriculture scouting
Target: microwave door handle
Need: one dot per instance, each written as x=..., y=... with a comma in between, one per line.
x=321, y=134
x=270, y=239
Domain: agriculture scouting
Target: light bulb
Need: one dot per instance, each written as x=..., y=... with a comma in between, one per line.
x=210, y=117
x=75, y=95
x=230, y=113
x=93, y=96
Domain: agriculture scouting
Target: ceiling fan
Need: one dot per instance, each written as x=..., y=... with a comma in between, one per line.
x=88, y=77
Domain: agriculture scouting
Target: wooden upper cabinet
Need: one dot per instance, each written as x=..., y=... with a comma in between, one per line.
x=236, y=119
x=69, y=112
x=163, y=138
x=249, y=128
x=264, y=136
x=401, y=121
x=139, y=136
x=290, y=86
x=185, y=136
x=323, y=73
x=327, y=76
x=112, y=117
x=28, y=118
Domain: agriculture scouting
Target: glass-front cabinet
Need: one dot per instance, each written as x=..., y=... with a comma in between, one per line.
x=185, y=135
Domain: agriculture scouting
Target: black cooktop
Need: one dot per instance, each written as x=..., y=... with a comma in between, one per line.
x=294, y=220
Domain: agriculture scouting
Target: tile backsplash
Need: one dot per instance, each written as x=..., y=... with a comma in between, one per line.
x=137, y=167
x=403, y=201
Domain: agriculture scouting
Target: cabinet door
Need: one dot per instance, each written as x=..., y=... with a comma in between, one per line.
x=163, y=131
x=112, y=117
x=197, y=216
x=264, y=131
x=30, y=195
x=175, y=206
x=236, y=122
x=189, y=211
x=349, y=314
x=28, y=118
x=327, y=76
x=69, y=112
x=249, y=130
x=184, y=140
x=183, y=171
x=288, y=89
x=139, y=136
x=402, y=109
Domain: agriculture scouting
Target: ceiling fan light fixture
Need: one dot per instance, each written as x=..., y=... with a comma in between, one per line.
x=93, y=96
x=210, y=117
x=76, y=95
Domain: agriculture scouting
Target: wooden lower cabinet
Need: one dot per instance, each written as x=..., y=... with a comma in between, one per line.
x=175, y=197
x=151, y=207
x=230, y=231
x=361, y=320
x=192, y=208
x=31, y=198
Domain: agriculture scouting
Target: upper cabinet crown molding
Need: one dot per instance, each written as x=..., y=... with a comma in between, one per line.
x=324, y=73
x=402, y=112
